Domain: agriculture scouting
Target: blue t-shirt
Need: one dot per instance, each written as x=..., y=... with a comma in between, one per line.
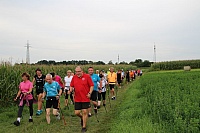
x=51, y=89
x=95, y=79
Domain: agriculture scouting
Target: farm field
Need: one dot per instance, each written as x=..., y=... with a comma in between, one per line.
x=165, y=102
x=157, y=102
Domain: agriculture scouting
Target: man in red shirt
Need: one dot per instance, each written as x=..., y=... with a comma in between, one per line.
x=83, y=89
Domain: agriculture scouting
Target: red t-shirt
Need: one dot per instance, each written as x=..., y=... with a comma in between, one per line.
x=82, y=87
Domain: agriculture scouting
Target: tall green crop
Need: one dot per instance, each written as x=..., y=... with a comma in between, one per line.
x=10, y=76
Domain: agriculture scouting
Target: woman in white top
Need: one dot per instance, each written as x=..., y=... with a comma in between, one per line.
x=67, y=81
x=102, y=91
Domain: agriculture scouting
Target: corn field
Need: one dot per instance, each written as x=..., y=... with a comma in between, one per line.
x=10, y=76
x=175, y=65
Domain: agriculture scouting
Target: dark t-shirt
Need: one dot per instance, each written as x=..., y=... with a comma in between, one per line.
x=40, y=81
x=127, y=75
x=119, y=76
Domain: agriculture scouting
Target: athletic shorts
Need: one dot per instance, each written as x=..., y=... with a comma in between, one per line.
x=81, y=105
x=112, y=86
x=103, y=94
x=67, y=95
x=39, y=90
x=119, y=81
x=52, y=102
x=94, y=96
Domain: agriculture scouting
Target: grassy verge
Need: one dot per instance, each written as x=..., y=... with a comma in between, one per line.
x=129, y=116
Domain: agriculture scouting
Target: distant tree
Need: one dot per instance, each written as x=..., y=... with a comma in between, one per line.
x=91, y=62
x=132, y=63
x=138, y=61
x=146, y=63
x=123, y=63
x=99, y=63
x=110, y=62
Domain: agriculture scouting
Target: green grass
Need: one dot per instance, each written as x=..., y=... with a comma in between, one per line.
x=9, y=115
x=158, y=102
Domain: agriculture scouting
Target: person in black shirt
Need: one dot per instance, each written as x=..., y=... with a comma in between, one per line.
x=39, y=80
x=119, y=78
x=127, y=76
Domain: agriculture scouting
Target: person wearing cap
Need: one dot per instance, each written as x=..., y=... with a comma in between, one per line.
x=67, y=81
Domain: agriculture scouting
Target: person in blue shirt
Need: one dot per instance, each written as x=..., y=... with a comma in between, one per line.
x=51, y=89
x=94, y=95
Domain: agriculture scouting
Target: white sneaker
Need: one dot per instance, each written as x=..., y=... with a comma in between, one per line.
x=58, y=117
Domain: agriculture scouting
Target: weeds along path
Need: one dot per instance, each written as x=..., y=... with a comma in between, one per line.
x=8, y=116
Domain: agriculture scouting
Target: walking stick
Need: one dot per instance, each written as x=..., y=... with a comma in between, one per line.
x=63, y=117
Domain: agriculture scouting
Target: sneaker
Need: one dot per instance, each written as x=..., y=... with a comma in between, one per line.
x=98, y=107
x=83, y=130
x=38, y=112
x=30, y=120
x=104, y=105
x=81, y=122
x=95, y=110
x=89, y=115
x=16, y=123
x=114, y=98
x=41, y=111
x=58, y=116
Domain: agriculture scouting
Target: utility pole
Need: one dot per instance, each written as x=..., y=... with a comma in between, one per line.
x=154, y=53
x=27, y=53
x=118, y=58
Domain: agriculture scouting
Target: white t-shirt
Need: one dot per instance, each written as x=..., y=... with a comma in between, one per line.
x=104, y=82
x=67, y=81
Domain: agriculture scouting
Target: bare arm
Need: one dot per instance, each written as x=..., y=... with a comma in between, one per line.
x=18, y=94
x=33, y=81
x=44, y=95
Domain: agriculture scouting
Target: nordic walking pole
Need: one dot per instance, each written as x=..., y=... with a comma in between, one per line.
x=109, y=97
x=105, y=109
x=96, y=115
x=63, y=117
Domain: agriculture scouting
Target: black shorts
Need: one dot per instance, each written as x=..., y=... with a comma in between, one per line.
x=67, y=95
x=112, y=86
x=103, y=94
x=81, y=105
x=52, y=102
x=39, y=90
x=94, y=96
x=119, y=81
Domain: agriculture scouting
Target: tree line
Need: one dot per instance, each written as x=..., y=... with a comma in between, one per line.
x=137, y=62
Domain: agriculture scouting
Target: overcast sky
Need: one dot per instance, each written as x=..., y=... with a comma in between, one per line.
x=100, y=29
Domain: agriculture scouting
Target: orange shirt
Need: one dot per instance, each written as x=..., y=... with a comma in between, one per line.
x=131, y=74
x=112, y=78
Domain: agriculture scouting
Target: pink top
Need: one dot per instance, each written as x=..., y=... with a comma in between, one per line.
x=58, y=79
x=24, y=87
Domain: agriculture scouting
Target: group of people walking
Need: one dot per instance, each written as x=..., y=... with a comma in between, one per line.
x=86, y=91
